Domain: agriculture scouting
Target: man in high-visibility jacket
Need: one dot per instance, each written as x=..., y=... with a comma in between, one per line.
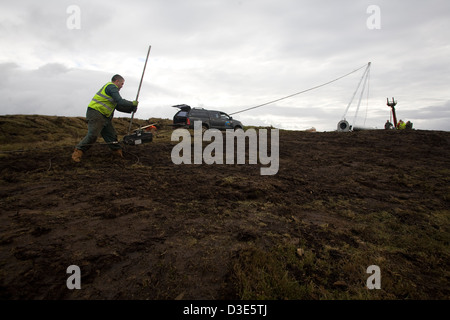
x=99, y=116
x=401, y=125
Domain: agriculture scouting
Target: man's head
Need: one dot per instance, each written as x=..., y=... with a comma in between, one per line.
x=118, y=80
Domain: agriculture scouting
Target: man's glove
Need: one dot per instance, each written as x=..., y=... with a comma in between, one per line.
x=135, y=104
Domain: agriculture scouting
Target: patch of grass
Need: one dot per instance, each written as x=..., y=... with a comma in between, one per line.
x=260, y=275
x=337, y=269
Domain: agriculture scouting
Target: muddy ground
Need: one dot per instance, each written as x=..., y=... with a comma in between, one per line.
x=144, y=228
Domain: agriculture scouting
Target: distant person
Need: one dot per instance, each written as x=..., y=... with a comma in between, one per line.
x=388, y=125
x=401, y=125
x=409, y=125
x=99, y=116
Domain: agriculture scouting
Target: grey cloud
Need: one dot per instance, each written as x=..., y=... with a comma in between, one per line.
x=52, y=69
x=432, y=112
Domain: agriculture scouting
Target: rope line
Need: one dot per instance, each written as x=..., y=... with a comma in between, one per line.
x=295, y=94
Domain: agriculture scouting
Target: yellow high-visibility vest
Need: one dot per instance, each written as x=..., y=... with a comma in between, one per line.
x=102, y=102
x=402, y=125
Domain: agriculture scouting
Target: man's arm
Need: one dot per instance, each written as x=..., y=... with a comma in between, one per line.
x=122, y=104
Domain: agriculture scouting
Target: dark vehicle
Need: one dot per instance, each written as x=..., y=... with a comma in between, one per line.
x=210, y=119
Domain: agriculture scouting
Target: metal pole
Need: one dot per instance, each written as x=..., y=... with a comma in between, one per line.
x=139, y=89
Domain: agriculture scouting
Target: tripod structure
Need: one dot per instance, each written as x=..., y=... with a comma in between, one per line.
x=343, y=125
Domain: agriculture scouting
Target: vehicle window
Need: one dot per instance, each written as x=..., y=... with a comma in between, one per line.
x=199, y=113
x=182, y=114
x=214, y=115
x=224, y=116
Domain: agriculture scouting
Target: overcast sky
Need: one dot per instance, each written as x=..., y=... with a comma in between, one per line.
x=232, y=55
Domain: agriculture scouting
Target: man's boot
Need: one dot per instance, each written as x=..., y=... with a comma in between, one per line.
x=118, y=153
x=77, y=155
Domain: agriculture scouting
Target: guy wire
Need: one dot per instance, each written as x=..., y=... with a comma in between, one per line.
x=295, y=94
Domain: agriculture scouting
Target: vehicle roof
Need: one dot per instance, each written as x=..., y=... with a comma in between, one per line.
x=185, y=107
x=208, y=110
